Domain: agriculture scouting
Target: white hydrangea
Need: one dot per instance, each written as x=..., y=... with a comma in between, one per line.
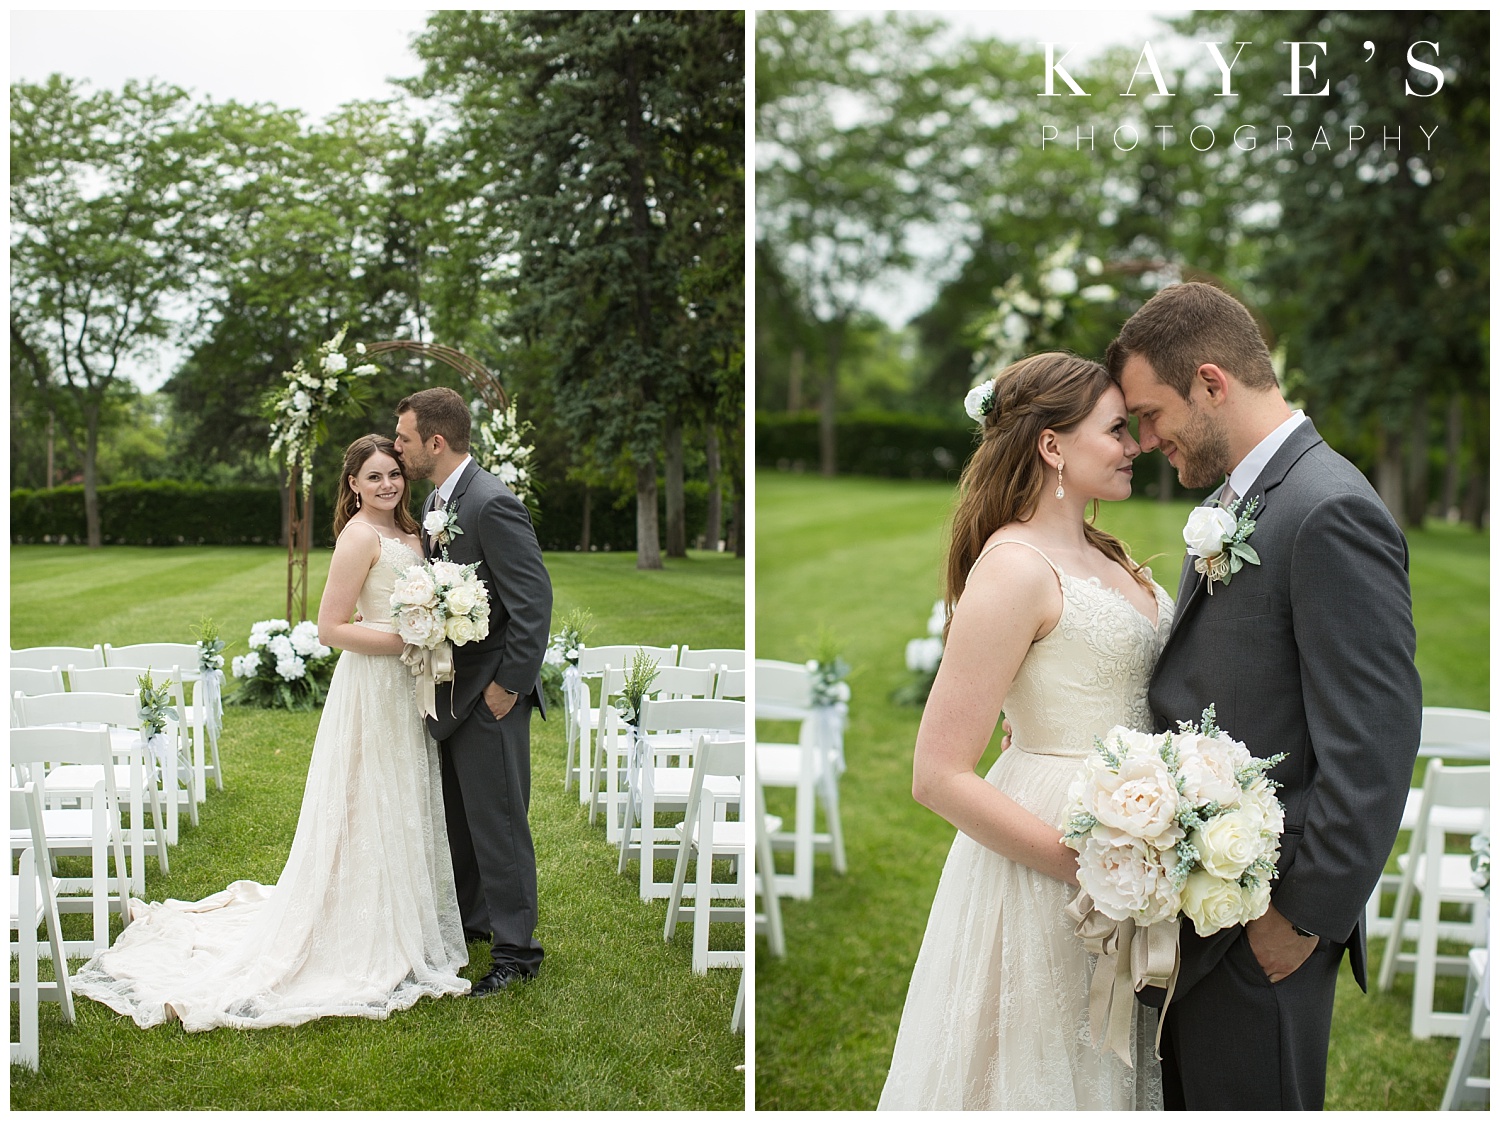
x=291, y=668
x=246, y=665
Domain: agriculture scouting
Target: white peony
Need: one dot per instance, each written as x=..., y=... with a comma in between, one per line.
x=1207, y=769
x=460, y=629
x=1254, y=901
x=1228, y=844
x=421, y=628
x=414, y=588
x=1211, y=903
x=1208, y=527
x=1127, y=879
x=335, y=363
x=1264, y=808
x=446, y=574
x=1140, y=799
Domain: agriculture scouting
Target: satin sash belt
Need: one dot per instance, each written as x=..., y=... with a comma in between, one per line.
x=431, y=668
x=1130, y=958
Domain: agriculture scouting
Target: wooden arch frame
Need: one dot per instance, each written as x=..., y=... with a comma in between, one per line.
x=486, y=387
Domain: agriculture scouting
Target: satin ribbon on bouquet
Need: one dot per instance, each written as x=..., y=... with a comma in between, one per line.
x=1130, y=958
x=431, y=666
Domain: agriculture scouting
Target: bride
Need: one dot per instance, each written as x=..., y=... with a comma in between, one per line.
x=1049, y=617
x=364, y=919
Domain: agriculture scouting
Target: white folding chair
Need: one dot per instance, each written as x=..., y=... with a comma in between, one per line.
x=706, y=830
x=185, y=656
x=91, y=830
x=1437, y=877
x=30, y=682
x=48, y=657
x=1464, y=1087
x=722, y=657
x=769, y=914
x=119, y=715
x=176, y=788
x=1456, y=735
x=730, y=684
x=783, y=692
x=669, y=729
x=582, y=720
x=33, y=902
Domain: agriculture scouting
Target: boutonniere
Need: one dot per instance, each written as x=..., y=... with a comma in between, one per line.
x=442, y=526
x=1216, y=537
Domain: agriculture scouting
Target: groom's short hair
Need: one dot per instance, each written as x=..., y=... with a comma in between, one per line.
x=439, y=412
x=1185, y=325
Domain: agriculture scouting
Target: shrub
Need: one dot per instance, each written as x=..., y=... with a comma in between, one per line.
x=888, y=445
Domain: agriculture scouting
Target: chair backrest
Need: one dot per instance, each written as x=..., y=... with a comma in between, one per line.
x=725, y=757
x=120, y=710
x=46, y=657
x=723, y=657
x=34, y=681
x=592, y=659
x=26, y=818
x=731, y=683
x=783, y=690
x=1455, y=733
x=162, y=655
x=695, y=714
x=1450, y=788
x=30, y=747
x=681, y=681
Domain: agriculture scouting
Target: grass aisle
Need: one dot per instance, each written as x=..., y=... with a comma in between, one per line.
x=865, y=557
x=616, y=1020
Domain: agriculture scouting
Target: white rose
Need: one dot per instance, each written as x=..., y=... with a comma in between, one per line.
x=460, y=629
x=1254, y=901
x=335, y=363
x=1208, y=527
x=1261, y=803
x=1126, y=879
x=421, y=628
x=1210, y=902
x=1227, y=844
x=291, y=668
x=446, y=574
x=414, y=587
x=463, y=599
x=1207, y=771
x=435, y=522
x=979, y=400
x=1140, y=799
x=841, y=691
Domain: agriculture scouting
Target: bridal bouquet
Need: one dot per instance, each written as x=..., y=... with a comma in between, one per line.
x=438, y=605
x=1179, y=823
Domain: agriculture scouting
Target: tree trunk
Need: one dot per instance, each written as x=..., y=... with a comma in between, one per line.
x=1477, y=493
x=647, y=526
x=676, y=501
x=51, y=430
x=828, y=405
x=713, y=524
x=91, y=478
x=588, y=503
x=1453, y=451
x=1388, y=482
x=1417, y=472
x=737, y=517
x=794, y=380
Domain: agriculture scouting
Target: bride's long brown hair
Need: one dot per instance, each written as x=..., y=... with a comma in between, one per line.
x=345, y=506
x=1004, y=478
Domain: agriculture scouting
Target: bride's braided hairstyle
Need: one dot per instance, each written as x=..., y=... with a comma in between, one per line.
x=345, y=506
x=1005, y=477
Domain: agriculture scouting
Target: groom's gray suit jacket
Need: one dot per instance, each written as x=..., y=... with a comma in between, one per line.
x=1311, y=653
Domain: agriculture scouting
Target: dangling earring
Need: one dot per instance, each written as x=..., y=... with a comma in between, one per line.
x=357, y=498
x=1059, y=491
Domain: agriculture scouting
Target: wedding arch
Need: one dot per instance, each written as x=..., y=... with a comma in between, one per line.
x=298, y=428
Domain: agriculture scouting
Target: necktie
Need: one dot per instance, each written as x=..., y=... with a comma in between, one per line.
x=438, y=501
x=1227, y=495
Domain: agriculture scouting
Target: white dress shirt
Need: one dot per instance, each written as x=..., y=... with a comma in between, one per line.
x=1243, y=477
x=445, y=491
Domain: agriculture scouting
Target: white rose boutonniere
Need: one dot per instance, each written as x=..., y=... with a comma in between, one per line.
x=1216, y=538
x=442, y=526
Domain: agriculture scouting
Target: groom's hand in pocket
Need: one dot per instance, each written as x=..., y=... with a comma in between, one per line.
x=500, y=700
x=1005, y=742
x=1277, y=946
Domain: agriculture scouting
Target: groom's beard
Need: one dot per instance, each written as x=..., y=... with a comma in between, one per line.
x=1203, y=451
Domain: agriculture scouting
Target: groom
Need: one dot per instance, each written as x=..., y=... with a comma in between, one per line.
x=1309, y=652
x=483, y=725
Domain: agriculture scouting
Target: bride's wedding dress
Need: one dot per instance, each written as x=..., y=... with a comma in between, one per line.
x=997, y=1013
x=364, y=919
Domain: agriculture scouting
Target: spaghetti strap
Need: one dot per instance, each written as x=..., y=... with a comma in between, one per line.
x=1013, y=541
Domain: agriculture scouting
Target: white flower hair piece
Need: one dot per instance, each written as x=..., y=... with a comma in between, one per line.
x=980, y=400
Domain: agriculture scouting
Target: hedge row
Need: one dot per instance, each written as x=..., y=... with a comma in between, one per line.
x=890, y=445
x=175, y=513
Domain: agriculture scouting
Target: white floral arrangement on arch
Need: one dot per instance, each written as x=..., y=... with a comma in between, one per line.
x=287, y=666
x=504, y=452
x=300, y=409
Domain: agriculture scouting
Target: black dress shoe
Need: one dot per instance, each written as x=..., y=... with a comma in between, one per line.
x=501, y=977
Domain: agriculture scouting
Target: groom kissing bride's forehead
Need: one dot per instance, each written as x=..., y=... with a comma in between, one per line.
x=1309, y=652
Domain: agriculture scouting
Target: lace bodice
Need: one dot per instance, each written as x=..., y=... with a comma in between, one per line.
x=1089, y=673
x=396, y=556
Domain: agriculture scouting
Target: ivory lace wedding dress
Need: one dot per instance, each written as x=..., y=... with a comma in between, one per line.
x=364, y=919
x=997, y=1013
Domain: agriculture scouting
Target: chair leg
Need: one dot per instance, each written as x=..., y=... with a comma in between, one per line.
x=679, y=875
x=159, y=830
x=213, y=746
x=835, y=825
x=1458, y=1089
x=703, y=904
x=1427, y=937
x=1398, y=917
x=27, y=993
x=737, y=1020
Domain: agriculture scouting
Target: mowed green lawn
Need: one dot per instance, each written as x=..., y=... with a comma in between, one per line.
x=864, y=557
x=617, y=1020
